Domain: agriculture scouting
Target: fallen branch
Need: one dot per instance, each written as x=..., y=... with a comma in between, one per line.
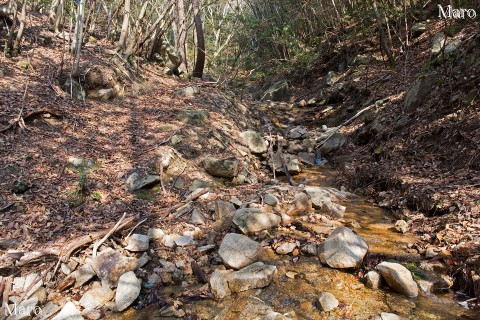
x=19, y=119
x=99, y=243
x=193, y=196
x=30, y=257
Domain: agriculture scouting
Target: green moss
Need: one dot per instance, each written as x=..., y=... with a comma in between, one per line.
x=416, y=272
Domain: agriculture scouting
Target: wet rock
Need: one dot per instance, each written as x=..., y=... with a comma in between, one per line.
x=238, y=251
x=270, y=199
x=96, y=297
x=277, y=91
x=155, y=233
x=442, y=285
x=127, y=291
x=285, y=248
x=300, y=204
x=197, y=217
x=137, y=242
x=326, y=301
x=69, y=312
x=194, y=117
x=332, y=144
x=252, y=308
x=223, y=168
x=398, y=278
x=401, y=226
x=373, y=280
x=250, y=220
x=254, y=141
x=256, y=275
x=135, y=182
x=109, y=265
x=343, y=249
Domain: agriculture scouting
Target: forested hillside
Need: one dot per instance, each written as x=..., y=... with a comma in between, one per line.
x=239, y=159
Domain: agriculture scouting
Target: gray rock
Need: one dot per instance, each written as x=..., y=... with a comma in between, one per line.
x=326, y=301
x=83, y=275
x=363, y=59
x=197, y=184
x=197, y=217
x=398, y=278
x=92, y=314
x=270, y=199
x=183, y=241
x=343, y=249
x=137, y=242
x=109, y=265
x=373, y=279
x=21, y=284
x=74, y=161
x=135, y=182
x=188, y=92
x=250, y=220
x=223, y=168
x=277, y=91
x=224, y=210
x=321, y=199
x=143, y=260
x=293, y=165
x=256, y=275
x=332, y=144
x=300, y=204
x=66, y=269
x=154, y=279
x=96, y=297
x=74, y=89
x=389, y=316
x=254, y=141
x=238, y=251
x=308, y=157
x=418, y=28
x=155, y=233
x=285, y=247
x=101, y=94
x=194, y=117
x=69, y=312
x=419, y=90
x=128, y=289
x=440, y=41
x=401, y=226
x=297, y=132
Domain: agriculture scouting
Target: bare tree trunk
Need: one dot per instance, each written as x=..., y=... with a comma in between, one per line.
x=9, y=45
x=18, y=40
x=78, y=37
x=181, y=40
x=125, y=25
x=383, y=38
x=200, y=61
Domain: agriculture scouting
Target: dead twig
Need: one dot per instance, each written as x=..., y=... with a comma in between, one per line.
x=194, y=195
x=99, y=243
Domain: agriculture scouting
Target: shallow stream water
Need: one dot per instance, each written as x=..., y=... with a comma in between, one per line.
x=296, y=295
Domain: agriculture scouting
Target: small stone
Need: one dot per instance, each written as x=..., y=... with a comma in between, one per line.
x=343, y=249
x=92, y=314
x=291, y=274
x=169, y=240
x=143, y=260
x=69, y=312
x=197, y=217
x=155, y=233
x=128, y=289
x=285, y=248
x=83, y=275
x=96, y=297
x=137, y=242
x=326, y=301
x=183, y=241
x=270, y=199
x=373, y=279
x=389, y=316
x=256, y=275
x=254, y=141
x=250, y=220
x=401, y=226
x=66, y=269
x=154, y=279
x=109, y=265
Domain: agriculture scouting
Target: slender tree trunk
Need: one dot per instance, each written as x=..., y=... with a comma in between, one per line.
x=383, y=38
x=181, y=39
x=200, y=61
x=9, y=45
x=78, y=38
x=125, y=25
x=18, y=40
